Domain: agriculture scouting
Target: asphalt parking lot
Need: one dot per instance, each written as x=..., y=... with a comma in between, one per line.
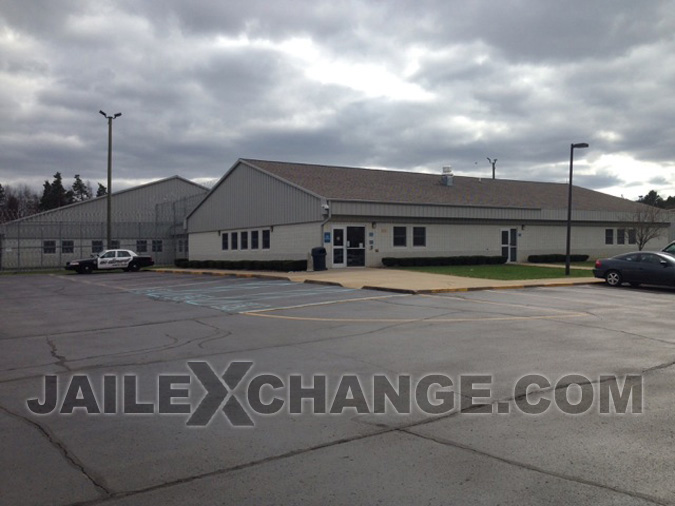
x=114, y=341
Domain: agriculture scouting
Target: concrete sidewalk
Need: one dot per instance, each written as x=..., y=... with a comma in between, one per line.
x=393, y=280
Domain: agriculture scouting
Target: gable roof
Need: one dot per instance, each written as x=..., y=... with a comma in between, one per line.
x=376, y=185
x=88, y=202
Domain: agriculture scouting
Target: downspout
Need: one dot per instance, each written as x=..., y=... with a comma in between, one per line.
x=326, y=205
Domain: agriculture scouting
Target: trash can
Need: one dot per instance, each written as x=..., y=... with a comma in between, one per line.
x=319, y=258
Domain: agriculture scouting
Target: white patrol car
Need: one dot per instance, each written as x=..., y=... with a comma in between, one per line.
x=111, y=259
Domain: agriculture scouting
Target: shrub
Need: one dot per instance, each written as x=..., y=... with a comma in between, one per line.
x=555, y=258
x=262, y=265
x=181, y=262
x=442, y=261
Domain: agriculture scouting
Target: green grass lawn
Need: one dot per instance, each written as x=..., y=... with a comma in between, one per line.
x=506, y=272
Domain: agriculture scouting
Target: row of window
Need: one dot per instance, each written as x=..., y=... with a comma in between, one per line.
x=622, y=235
x=259, y=239
x=68, y=246
x=419, y=236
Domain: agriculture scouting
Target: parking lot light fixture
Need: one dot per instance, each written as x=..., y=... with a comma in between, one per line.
x=109, y=194
x=579, y=145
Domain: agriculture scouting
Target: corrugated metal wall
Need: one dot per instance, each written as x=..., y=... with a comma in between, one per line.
x=151, y=213
x=250, y=198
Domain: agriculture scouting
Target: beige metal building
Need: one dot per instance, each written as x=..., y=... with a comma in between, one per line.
x=267, y=210
x=147, y=219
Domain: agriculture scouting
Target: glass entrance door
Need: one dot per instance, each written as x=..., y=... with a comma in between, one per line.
x=510, y=244
x=356, y=246
x=338, y=247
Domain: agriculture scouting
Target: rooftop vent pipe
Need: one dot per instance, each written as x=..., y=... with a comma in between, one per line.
x=447, y=177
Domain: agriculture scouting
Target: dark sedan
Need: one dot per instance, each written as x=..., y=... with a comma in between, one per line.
x=637, y=268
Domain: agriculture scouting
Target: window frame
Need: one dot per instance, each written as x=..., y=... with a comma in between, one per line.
x=395, y=237
x=415, y=237
x=67, y=246
x=609, y=236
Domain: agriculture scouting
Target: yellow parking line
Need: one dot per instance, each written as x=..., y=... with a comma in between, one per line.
x=413, y=320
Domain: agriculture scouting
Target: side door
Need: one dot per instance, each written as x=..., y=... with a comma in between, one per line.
x=509, y=240
x=107, y=260
x=123, y=259
x=652, y=270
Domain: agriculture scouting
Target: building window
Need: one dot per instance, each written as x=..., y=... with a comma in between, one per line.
x=157, y=246
x=621, y=236
x=234, y=242
x=632, y=238
x=96, y=246
x=49, y=247
x=265, y=239
x=141, y=246
x=400, y=236
x=609, y=236
x=225, y=241
x=254, y=239
x=180, y=245
x=244, y=240
x=419, y=236
x=67, y=246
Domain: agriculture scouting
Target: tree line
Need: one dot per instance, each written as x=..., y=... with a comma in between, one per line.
x=655, y=200
x=21, y=200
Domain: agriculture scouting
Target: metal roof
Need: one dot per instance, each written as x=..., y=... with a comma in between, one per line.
x=376, y=185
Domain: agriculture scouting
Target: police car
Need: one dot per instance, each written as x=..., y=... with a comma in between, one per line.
x=124, y=259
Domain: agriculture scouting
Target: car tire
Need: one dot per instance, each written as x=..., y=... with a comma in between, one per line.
x=86, y=269
x=613, y=278
x=134, y=267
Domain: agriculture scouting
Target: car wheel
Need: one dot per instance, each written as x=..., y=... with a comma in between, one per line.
x=133, y=267
x=86, y=269
x=613, y=278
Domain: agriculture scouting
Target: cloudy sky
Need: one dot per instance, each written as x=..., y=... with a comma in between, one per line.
x=407, y=85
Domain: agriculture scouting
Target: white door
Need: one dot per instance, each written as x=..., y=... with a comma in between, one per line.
x=509, y=238
x=338, y=249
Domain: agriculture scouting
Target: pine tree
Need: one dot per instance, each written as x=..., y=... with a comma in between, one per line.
x=2, y=196
x=102, y=190
x=80, y=190
x=54, y=195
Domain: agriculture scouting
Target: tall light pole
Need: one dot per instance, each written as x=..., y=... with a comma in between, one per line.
x=569, y=206
x=109, y=195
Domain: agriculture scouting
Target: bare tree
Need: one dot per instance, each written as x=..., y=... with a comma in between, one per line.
x=648, y=222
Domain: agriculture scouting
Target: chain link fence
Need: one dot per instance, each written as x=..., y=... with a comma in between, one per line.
x=44, y=241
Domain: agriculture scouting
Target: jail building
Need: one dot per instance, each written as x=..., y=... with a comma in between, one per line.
x=148, y=219
x=270, y=210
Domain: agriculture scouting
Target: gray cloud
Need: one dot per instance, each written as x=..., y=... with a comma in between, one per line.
x=404, y=85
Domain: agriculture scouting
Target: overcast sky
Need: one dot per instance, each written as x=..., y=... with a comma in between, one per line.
x=412, y=85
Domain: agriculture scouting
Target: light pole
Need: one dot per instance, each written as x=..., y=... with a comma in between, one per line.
x=109, y=194
x=569, y=206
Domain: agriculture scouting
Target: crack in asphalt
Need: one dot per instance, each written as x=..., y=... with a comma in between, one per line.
x=404, y=429
x=537, y=469
x=97, y=481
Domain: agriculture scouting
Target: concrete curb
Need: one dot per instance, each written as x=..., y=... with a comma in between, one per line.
x=224, y=273
x=410, y=291
x=319, y=282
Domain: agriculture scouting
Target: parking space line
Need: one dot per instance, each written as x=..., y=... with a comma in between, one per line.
x=414, y=320
x=325, y=303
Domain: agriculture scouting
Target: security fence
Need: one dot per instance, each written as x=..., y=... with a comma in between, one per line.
x=44, y=241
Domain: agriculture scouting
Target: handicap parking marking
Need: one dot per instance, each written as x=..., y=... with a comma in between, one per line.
x=241, y=297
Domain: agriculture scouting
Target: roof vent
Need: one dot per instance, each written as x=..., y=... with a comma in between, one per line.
x=447, y=177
